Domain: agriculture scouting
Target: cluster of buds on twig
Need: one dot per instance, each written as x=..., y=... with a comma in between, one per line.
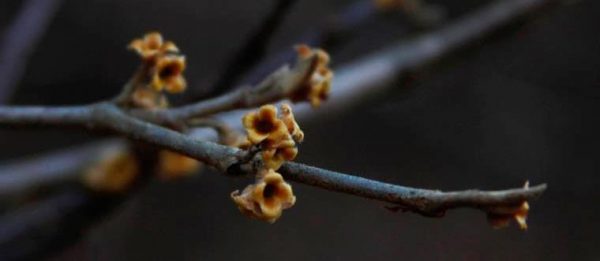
x=161, y=71
x=275, y=135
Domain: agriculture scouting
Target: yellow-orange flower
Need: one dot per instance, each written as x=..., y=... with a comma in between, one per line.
x=168, y=74
x=115, y=172
x=151, y=45
x=173, y=165
x=264, y=126
x=267, y=198
x=318, y=85
x=163, y=65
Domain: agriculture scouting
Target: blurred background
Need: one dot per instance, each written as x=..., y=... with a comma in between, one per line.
x=519, y=104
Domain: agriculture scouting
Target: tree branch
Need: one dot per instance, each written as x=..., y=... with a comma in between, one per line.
x=106, y=116
x=354, y=80
x=370, y=74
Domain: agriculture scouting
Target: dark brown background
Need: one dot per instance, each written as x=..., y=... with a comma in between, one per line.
x=522, y=104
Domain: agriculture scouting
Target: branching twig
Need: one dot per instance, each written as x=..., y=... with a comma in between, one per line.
x=106, y=116
x=352, y=81
x=372, y=73
x=20, y=39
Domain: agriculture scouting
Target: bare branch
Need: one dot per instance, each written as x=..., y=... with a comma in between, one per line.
x=106, y=116
x=20, y=39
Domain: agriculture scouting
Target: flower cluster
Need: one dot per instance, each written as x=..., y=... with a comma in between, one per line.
x=267, y=198
x=317, y=85
x=162, y=70
x=275, y=135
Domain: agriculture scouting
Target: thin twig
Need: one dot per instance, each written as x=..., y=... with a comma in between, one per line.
x=423, y=201
x=106, y=116
x=20, y=39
